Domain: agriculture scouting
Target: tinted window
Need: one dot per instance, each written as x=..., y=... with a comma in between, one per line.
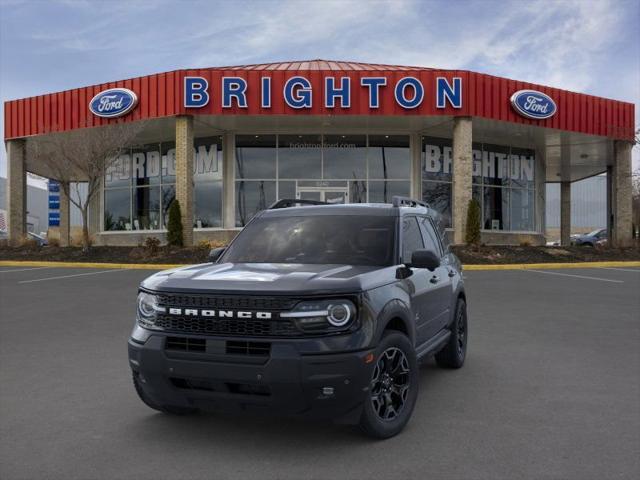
x=411, y=238
x=430, y=239
x=340, y=239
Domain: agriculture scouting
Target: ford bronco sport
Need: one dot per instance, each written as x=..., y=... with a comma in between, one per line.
x=313, y=309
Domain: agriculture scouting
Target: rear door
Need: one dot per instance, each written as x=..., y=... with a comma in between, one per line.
x=440, y=280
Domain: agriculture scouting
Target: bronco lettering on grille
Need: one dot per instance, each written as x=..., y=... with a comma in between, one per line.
x=194, y=312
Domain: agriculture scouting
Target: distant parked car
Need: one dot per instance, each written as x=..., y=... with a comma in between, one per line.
x=591, y=239
x=42, y=241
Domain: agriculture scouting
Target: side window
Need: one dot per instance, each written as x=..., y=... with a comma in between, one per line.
x=431, y=241
x=411, y=238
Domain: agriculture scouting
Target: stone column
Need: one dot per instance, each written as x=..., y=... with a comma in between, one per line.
x=184, y=174
x=565, y=213
x=16, y=191
x=65, y=216
x=620, y=234
x=416, y=165
x=228, y=181
x=462, y=175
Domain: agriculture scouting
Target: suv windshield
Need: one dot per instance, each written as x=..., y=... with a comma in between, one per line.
x=330, y=239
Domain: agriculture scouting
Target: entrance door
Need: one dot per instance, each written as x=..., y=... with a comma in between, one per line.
x=324, y=194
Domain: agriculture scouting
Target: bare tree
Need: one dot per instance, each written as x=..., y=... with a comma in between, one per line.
x=84, y=156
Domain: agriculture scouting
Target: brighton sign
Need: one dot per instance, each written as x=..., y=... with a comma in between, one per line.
x=113, y=103
x=533, y=104
x=298, y=93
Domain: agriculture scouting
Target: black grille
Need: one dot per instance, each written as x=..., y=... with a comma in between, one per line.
x=226, y=301
x=248, y=348
x=186, y=344
x=224, y=326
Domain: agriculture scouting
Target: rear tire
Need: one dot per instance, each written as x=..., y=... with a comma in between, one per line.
x=161, y=408
x=455, y=351
x=393, y=389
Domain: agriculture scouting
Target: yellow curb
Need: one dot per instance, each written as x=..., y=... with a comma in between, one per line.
x=525, y=266
x=164, y=266
x=131, y=266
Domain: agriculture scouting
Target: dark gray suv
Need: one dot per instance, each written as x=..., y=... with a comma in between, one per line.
x=316, y=310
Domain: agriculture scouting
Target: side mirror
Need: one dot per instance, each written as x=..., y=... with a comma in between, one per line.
x=216, y=253
x=424, y=259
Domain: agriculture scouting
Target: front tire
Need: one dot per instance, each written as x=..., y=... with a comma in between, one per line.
x=455, y=351
x=393, y=389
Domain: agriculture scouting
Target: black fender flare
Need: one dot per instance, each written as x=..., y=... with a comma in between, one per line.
x=395, y=309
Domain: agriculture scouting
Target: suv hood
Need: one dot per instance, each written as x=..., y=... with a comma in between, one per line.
x=274, y=278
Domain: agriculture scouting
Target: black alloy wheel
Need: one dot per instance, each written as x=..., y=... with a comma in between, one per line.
x=390, y=384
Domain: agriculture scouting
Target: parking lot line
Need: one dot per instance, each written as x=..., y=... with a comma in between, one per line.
x=637, y=270
x=23, y=269
x=575, y=276
x=68, y=276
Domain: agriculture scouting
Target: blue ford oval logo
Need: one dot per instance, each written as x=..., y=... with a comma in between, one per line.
x=114, y=102
x=533, y=104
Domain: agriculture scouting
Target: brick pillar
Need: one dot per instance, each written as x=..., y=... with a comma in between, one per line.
x=184, y=174
x=16, y=191
x=621, y=185
x=565, y=213
x=462, y=174
x=65, y=216
x=228, y=180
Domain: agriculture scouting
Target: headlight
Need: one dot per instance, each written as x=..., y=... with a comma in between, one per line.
x=148, y=309
x=323, y=316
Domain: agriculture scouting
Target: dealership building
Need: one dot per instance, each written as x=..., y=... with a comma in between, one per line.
x=227, y=142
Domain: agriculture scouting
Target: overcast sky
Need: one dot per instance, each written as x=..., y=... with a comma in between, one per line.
x=581, y=45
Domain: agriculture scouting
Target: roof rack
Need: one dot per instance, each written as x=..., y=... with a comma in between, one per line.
x=292, y=202
x=398, y=201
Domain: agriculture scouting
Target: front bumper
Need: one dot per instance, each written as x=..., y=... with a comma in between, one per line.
x=287, y=381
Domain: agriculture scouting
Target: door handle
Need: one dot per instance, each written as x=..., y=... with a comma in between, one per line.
x=434, y=279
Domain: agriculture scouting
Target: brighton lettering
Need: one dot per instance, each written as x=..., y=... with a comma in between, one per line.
x=298, y=92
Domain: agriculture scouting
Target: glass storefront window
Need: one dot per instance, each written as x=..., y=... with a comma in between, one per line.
x=168, y=162
x=521, y=211
x=389, y=157
x=146, y=208
x=299, y=156
x=345, y=157
x=497, y=170
x=438, y=196
x=496, y=208
x=436, y=159
x=252, y=197
x=168, y=195
x=522, y=167
x=118, y=174
x=149, y=172
x=208, y=205
x=255, y=156
x=117, y=209
x=145, y=165
x=381, y=191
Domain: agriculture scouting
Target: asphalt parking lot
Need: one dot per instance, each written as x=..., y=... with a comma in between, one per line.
x=551, y=389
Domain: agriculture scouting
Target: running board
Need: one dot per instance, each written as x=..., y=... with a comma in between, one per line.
x=434, y=344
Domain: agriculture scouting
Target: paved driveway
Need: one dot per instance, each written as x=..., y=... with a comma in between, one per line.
x=551, y=389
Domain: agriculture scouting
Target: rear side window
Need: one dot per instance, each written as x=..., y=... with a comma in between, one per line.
x=411, y=238
x=431, y=241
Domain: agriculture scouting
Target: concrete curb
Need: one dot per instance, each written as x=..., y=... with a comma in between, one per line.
x=550, y=266
x=164, y=266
